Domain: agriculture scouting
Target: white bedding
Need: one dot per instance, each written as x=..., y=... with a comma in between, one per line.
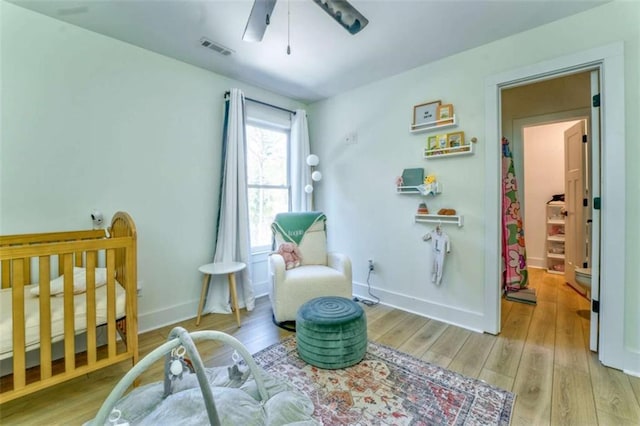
x=32, y=316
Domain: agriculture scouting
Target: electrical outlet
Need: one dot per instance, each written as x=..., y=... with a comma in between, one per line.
x=371, y=267
x=139, y=288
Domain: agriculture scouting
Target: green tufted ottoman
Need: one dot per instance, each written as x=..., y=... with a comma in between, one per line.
x=331, y=332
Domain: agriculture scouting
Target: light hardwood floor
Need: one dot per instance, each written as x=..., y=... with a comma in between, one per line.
x=542, y=355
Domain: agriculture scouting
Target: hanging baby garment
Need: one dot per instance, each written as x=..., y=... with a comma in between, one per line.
x=441, y=245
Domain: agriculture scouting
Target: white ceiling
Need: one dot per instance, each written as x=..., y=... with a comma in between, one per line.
x=325, y=59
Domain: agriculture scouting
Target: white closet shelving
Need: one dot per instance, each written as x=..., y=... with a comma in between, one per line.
x=554, y=234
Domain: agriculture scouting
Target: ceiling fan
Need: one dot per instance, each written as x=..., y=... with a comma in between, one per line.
x=340, y=10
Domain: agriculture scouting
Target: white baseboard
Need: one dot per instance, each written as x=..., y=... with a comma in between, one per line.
x=536, y=262
x=260, y=289
x=173, y=314
x=536, y=267
x=631, y=373
x=161, y=318
x=444, y=313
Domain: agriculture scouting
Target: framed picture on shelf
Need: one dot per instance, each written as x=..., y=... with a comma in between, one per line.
x=432, y=143
x=444, y=114
x=425, y=114
x=455, y=140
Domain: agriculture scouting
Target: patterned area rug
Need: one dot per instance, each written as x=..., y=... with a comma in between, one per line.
x=389, y=388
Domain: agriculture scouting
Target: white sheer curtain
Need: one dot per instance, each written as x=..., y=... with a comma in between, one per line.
x=232, y=241
x=300, y=171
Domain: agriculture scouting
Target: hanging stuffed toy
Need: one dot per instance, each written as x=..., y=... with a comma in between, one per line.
x=178, y=364
x=441, y=246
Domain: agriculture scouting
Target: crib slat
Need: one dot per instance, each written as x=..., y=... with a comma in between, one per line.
x=18, y=324
x=27, y=271
x=45, y=316
x=111, y=302
x=69, y=323
x=6, y=274
x=78, y=259
x=91, y=307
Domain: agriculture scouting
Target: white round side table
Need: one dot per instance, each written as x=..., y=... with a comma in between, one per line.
x=221, y=268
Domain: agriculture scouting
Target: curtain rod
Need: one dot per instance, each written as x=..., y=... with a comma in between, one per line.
x=255, y=101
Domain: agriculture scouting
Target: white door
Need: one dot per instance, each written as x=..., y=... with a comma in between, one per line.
x=575, y=231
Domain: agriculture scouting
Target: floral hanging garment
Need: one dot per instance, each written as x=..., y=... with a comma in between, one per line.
x=513, y=249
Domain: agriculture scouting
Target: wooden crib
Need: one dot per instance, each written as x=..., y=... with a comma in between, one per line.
x=36, y=323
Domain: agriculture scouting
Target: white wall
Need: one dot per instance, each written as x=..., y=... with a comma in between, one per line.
x=91, y=122
x=544, y=175
x=368, y=219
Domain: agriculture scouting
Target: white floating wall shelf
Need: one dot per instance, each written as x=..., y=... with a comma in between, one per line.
x=440, y=219
x=434, y=125
x=419, y=189
x=448, y=152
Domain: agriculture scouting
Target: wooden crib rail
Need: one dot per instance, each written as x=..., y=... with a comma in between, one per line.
x=29, y=251
x=19, y=239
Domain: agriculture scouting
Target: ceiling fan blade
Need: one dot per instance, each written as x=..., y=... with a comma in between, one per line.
x=345, y=14
x=258, y=20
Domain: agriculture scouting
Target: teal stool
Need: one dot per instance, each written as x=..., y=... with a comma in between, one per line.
x=331, y=332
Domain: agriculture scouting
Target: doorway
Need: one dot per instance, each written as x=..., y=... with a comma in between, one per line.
x=552, y=243
x=610, y=262
x=537, y=117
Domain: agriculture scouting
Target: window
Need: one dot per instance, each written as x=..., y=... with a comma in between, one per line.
x=268, y=180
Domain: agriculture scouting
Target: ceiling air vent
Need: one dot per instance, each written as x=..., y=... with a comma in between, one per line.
x=205, y=42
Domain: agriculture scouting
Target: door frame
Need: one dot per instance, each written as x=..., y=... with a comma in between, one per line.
x=610, y=60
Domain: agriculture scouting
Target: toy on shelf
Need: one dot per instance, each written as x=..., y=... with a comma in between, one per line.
x=430, y=186
x=422, y=208
x=447, y=212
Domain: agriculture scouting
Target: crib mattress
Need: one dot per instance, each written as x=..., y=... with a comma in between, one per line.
x=32, y=316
